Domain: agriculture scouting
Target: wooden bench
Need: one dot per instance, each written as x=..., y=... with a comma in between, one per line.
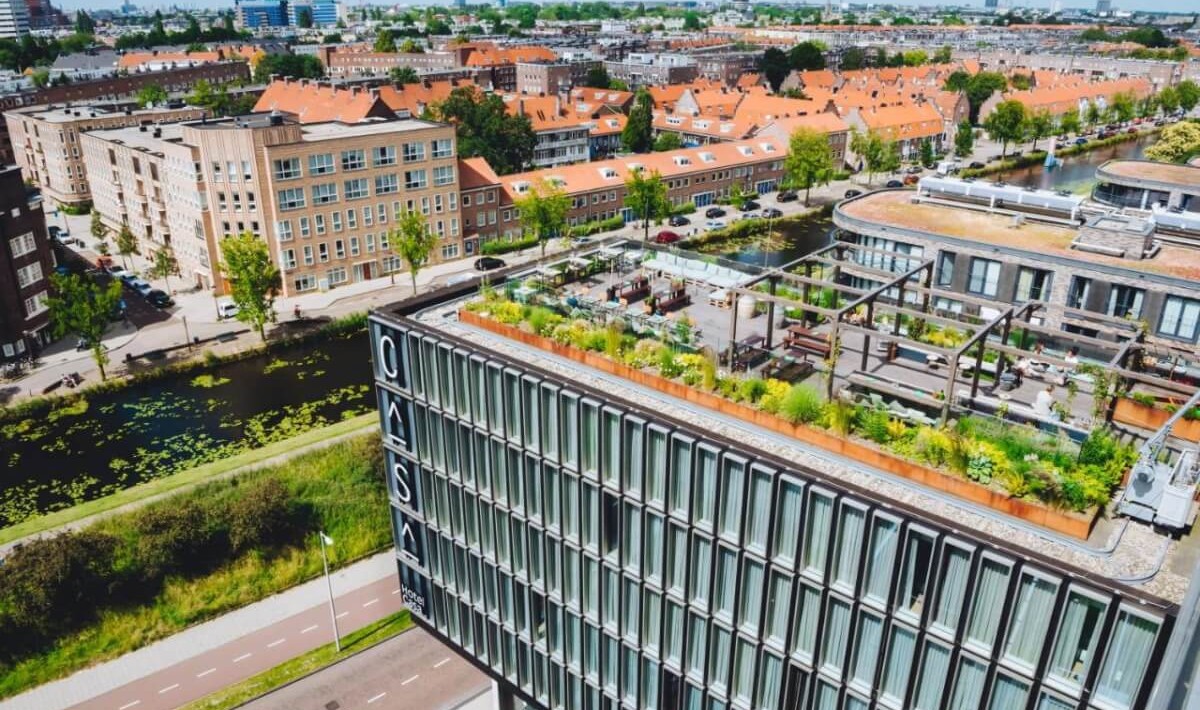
x=804, y=340
x=788, y=369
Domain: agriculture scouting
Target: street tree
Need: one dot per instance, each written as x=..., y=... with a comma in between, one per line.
x=164, y=266
x=1093, y=114
x=1040, y=125
x=84, y=24
x=964, y=139
x=1006, y=124
x=1189, y=94
x=1178, y=143
x=597, y=77
x=809, y=161
x=151, y=95
x=877, y=155
x=1168, y=99
x=980, y=87
x=1068, y=123
x=853, y=59
x=485, y=129
x=667, y=141
x=543, y=211
x=646, y=196
x=775, y=66
x=413, y=242
x=807, y=56
x=409, y=46
x=82, y=306
x=253, y=278
x=127, y=244
x=385, y=42
x=638, y=134
x=1123, y=107
x=927, y=154
x=97, y=228
x=404, y=75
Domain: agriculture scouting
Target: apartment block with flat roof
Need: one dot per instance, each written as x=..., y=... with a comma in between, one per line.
x=25, y=267
x=147, y=179
x=325, y=195
x=46, y=142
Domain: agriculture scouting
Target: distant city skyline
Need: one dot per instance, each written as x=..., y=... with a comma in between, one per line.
x=1182, y=6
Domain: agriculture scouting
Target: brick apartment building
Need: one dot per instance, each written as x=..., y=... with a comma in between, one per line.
x=118, y=87
x=46, y=140
x=25, y=267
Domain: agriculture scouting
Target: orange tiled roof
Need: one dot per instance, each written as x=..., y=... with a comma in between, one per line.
x=1061, y=98
x=749, y=80
x=711, y=125
x=475, y=173
x=897, y=123
x=313, y=102
x=485, y=56
x=416, y=97
x=666, y=96
x=130, y=60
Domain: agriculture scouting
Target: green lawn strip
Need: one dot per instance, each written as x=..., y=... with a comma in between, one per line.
x=303, y=665
x=192, y=476
x=340, y=487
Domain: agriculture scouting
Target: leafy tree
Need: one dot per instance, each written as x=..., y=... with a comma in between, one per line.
x=981, y=87
x=1178, y=143
x=151, y=94
x=958, y=80
x=1007, y=124
x=293, y=66
x=667, y=141
x=853, y=59
x=253, y=278
x=385, y=42
x=437, y=27
x=50, y=585
x=775, y=66
x=164, y=266
x=878, y=155
x=943, y=55
x=806, y=56
x=691, y=21
x=486, y=129
x=84, y=24
x=82, y=306
x=597, y=77
x=646, y=195
x=1069, y=121
x=408, y=46
x=915, y=57
x=809, y=161
x=638, y=134
x=927, y=154
x=412, y=241
x=261, y=516
x=332, y=38
x=404, y=75
x=40, y=78
x=1168, y=99
x=1123, y=106
x=543, y=211
x=97, y=227
x=1147, y=106
x=1020, y=82
x=1040, y=125
x=1094, y=114
x=304, y=18
x=127, y=244
x=618, y=85
x=964, y=139
x=1189, y=94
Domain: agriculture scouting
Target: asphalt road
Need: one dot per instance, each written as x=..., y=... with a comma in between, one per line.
x=411, y=671
x=253, y=653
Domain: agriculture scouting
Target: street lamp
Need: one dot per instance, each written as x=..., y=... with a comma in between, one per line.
x=326, y=540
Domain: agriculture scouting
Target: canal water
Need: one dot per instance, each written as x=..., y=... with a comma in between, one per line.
x=1077, y=173
x=116, y=440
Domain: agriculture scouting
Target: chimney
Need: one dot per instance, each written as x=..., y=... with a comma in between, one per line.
x=353, y=91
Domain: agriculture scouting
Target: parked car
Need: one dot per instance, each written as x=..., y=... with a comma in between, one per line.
x=714, y=224
x=1081, y=141
x=1132, y=131
x=116, y=270
x=159, y=298
x=786, y=196
x=853, y=193
x=750, y=206
x=227, y=309
x=487, y=263
x=140, y=286
x=679, y=221
x=1104, y=134
x=895, y=183
x=666, y=237
x=976, y=165
x=915, y=170
x=127, y=278
x=581, y=241
x=911, y=179
x=772, y=213
x=714, y=212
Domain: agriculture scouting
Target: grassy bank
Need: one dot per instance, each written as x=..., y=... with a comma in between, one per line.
x=338, y=489
x=1038, y=157
x=317, y=659
x=192, y=476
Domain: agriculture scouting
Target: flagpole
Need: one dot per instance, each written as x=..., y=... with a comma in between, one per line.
x=337, y=640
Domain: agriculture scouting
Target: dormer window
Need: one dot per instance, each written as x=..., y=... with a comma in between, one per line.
x=767, y=147
x=608, y=173
x=521, y=187
x=701, y=125
x=633, y=167
x=745, y=150
x=674, y=120
x=681, y=160
x=708, y=157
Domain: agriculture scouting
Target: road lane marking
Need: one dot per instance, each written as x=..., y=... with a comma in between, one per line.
x=373, y=601
x=126, y=706
x=395, y=591
x=377, y=697
x=410, y=680
x=314, y=627
x=442, y=662
x=341, y=615
x=169, y=688
x=276, y=642
x=242, y=657
x=207, y=672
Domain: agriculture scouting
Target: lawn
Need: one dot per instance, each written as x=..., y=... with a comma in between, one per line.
x=339, y=488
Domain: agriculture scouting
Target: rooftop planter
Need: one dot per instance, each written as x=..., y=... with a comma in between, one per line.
x=1146, y=412
x=1007, y=468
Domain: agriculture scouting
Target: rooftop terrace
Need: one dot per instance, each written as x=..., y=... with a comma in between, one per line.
x=899, y=371
x=1165, y=173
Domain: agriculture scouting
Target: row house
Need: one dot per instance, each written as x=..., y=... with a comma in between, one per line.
x=1062, y=98
x=906, y=126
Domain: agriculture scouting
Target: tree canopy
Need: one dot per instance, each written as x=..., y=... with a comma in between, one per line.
x=486, y=129
x=638, y=134
x=646, y=195
x=543, y=211
x=1178, y=143
x=1007, y=124
x=82, y=306
x=809, y=161
x=253, y=278
x=807, y=56
x=293, y=66
x=775, y=66
x=412, y=241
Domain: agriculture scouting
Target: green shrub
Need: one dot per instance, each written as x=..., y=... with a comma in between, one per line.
x=174, y=538
x=801, y=405
x=752, y=389
x=840, y=417
x=493, y=247
x=263, y=516
x=668, y=366
x=1143, y=398
x=874, y=426
x=543, y=320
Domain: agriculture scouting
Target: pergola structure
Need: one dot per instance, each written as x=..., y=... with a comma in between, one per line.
x=907, y=294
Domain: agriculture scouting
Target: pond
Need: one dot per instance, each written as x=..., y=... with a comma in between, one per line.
x=791, y=240
x=112, y=441
x=1075, y=173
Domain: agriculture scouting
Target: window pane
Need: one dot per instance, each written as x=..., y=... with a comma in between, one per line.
x=750, y=596
x=849, y=546
x=743, y=672
x=719, y=658
x=704, y=488
x=758, y=511
x=956, y=570
x=816, y=538
x=867, y=649
x=1008, y=693
x=787, y=521
x=724, y=582
x=934, y=665
x=837, y=632
x=696, y=645
x=1125, y=659
x=1076, y=641
x=808, y=613
x=778, y=604
x=988, y=603
x=899, y=663
x=884, y=536
x=968, y=687
x=770, y=682
x=733, y=474
x=1027, y=630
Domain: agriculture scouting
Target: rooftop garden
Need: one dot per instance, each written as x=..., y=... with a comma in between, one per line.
x=1021, y=461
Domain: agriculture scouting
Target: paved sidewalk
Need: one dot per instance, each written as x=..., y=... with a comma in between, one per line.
x=131, y=667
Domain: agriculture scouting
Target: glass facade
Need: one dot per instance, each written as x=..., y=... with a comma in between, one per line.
x=596, y=556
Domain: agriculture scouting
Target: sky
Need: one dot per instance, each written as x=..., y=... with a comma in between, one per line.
x=1156, y=5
